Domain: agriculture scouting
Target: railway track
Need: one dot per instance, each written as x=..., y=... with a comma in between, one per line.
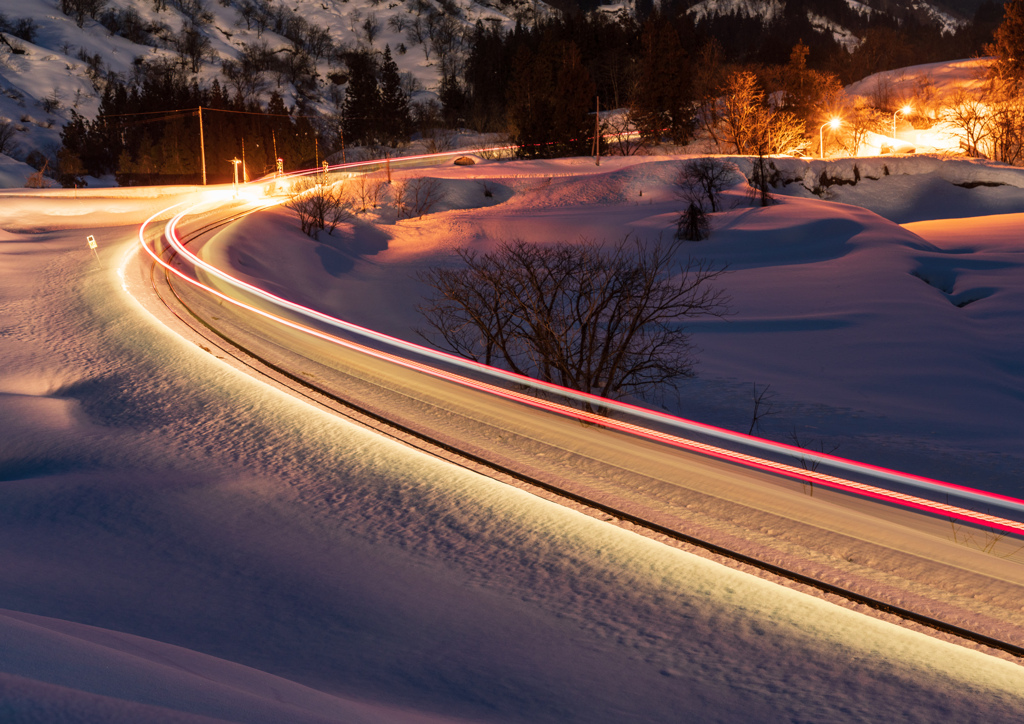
x=188, y=305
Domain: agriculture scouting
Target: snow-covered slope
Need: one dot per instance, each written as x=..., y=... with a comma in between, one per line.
x=928, y=85
x=826, y=271
x=63, y=67
x=181, y=543
x=764, y=9
x=768, y=10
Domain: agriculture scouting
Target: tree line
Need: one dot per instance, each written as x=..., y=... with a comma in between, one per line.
x=538, y=83
x=147, y=128
x=147, y=132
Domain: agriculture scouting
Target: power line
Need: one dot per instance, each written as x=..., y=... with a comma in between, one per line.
x=194, y=111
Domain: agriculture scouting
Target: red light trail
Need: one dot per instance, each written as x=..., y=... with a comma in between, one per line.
x=790, y=471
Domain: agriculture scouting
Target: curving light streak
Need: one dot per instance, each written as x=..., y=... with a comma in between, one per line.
x=791, y=471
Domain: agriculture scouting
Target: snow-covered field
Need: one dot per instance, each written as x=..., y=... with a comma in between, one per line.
x=181, y=543
x=875, y=340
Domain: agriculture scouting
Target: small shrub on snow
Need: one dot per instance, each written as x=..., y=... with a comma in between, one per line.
x=700, y=183
x=692, y=224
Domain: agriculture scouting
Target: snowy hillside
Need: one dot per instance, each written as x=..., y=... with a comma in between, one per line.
x=769, y=10
x=928, y=86
x=61, y=67
x=746, y=8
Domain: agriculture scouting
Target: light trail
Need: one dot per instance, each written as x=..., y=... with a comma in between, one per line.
x=791, y=471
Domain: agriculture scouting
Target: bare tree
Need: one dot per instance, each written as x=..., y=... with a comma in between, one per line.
x=741, y=113
x=861, y=120
x=193, y=47
x=1007, y=125
x=368, y=191
x=622, y=137
x=417, y=35
x=967, y=115
x=80, y=9
x=779, y=133
x=607, y=320
x=249, y=82
x=763, y=175
x=417, y=196
x=989, y=121
x=763, y=407
x=444, y=34
x=397, y=23
x=700, y=182
x=748, y=123
x=319, y=205
x=439, y=140
x=371, y=28
x=7, y=131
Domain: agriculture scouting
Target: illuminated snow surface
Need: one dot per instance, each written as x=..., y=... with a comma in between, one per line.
x=900, y=351
x=181, y=543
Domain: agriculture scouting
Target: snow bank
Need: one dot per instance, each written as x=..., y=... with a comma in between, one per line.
x=13, y=174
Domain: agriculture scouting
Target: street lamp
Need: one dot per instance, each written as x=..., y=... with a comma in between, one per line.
x=236, y=161
x=904, y=110
x=833, y=124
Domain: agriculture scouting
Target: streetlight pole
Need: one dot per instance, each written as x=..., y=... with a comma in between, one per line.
x=834, y=123
x=904, y=110
x=235, y=161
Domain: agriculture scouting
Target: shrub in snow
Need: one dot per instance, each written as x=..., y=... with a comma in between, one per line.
x=700, y=182
x=80, y=9
x=7, y=131
x=319, y=205
x=692, y=224
x=418, y=196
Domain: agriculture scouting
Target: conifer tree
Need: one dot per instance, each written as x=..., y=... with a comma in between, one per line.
x=662, y=97
x=361, y=109
x=394, y=103
x=1009, y=43
x=549, y=101
x=572, y=126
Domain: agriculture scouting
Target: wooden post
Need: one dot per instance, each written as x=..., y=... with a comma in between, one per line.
x=202, y=146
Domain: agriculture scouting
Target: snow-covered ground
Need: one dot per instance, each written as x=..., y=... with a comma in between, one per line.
x=875, y=341
x=182, y=543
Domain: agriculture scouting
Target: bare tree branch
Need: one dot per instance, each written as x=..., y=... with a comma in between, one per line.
x=601, y=319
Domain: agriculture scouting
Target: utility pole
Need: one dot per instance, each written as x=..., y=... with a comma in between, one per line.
x=597, y=131
x=341, y=134
x=202, y=146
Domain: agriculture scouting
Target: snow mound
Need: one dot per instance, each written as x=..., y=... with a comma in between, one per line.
x=68, y=672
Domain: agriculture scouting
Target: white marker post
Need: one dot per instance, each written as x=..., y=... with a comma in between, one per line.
x=91, y=241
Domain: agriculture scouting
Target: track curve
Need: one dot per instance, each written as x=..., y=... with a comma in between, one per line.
x=273, y=351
